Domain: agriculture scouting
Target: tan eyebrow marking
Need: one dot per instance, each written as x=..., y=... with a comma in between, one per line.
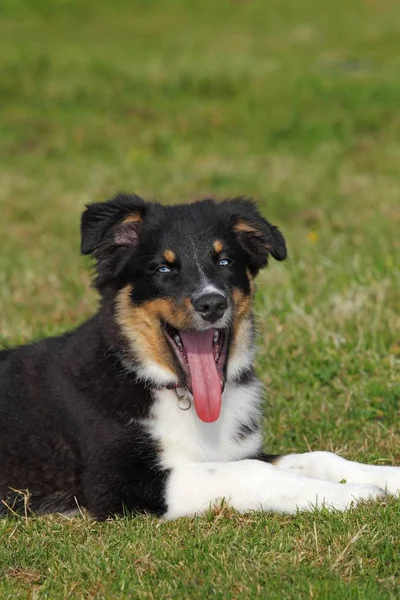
x=218, y=246
x=169, y=256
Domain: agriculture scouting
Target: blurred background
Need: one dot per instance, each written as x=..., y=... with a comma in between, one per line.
x=295, y=103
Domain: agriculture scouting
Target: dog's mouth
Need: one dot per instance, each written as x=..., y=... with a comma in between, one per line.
x=202, y=357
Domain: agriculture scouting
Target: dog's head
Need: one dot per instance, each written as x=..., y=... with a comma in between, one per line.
x=182, y=281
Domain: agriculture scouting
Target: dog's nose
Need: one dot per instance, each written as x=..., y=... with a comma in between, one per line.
x=211, y=306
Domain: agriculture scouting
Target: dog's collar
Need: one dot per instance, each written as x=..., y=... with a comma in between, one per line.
x=183, y=395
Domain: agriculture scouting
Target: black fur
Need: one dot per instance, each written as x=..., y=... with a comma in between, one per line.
x=246, y=429
x=69, y=408
x=267, y=239
x=65, y=405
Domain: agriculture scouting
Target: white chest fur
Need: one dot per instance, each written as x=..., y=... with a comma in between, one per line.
x=183, y=437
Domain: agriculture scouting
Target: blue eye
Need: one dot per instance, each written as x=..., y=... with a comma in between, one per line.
x=224, y=262
x=164, y=269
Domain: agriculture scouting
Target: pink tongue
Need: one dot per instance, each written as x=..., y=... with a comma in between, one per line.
x=206, y=382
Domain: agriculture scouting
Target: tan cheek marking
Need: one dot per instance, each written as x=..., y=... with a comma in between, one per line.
x=218, y=246
x=176, y=314
x=142, y=327
x=142, y=331
x=242, y=303
x=169, y=256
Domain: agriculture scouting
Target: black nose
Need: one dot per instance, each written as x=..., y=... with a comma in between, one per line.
x=211, y=306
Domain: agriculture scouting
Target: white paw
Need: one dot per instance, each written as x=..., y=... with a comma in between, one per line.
x=341, y=496
x=388, y=478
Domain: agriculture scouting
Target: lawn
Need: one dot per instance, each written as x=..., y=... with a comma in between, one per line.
x=295, y=103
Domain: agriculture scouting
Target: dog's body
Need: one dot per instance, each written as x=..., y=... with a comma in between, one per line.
x=153, y=405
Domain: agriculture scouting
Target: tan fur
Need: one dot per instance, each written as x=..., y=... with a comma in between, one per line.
x=169, y=256
x=133, y=218
x=242, y=226
x=251, y=282
x=242, y=311
x=218, y=246
x=242, y=303
x=142, y=326
x=241, y=336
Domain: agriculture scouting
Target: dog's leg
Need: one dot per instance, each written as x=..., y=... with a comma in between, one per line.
x=330, y=467
x=249, y=485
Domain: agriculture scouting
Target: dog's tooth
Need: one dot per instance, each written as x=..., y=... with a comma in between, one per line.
x=177, y=341
x=216, y=336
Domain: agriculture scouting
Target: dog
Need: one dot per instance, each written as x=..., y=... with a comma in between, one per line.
x=152, y=405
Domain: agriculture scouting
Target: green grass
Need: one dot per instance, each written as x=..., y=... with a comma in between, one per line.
x=296, y=103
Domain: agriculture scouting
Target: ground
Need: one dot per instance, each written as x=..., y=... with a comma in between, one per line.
x=295, y=103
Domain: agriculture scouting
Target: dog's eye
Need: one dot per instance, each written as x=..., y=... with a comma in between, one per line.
x=164, y=269
x=224, y=262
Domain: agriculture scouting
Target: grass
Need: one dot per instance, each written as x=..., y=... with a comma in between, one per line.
x=296, y=103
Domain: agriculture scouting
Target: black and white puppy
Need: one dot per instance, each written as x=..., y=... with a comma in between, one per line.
x=152, y=405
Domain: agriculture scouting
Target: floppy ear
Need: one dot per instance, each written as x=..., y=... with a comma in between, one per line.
x=256, y=236
x=109, y=230
x=116, y=222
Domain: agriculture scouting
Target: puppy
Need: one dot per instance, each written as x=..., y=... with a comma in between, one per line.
x=153, y=405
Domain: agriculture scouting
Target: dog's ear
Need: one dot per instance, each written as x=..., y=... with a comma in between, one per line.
x=113, y=223
x=259, y=238
x=110, y=231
